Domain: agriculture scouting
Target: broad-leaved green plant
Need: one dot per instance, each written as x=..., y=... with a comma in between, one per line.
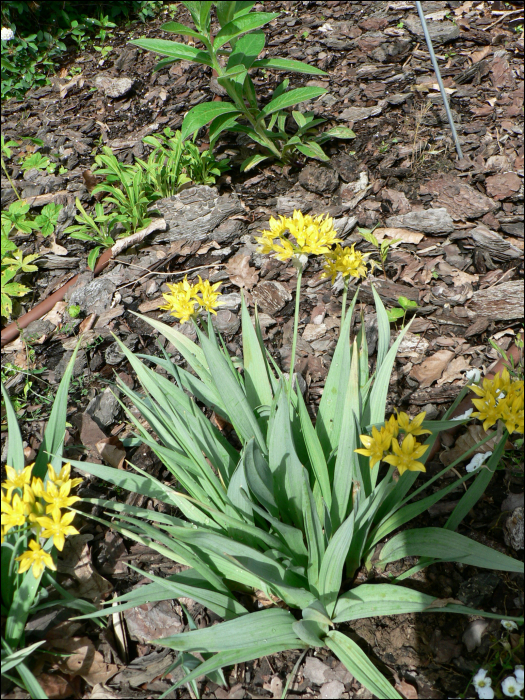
x=240, y=29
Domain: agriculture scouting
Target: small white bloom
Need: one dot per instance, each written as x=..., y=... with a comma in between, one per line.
x=518, y=673
x=509, y=625
x=473, y=375
x=510, y=687
x=477, y=461
x=482, y=683
x=327, y=27
x=465, y=415
x=7, y=34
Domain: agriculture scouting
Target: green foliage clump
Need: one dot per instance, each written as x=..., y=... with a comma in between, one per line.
x=240, y=28
x=45, y=32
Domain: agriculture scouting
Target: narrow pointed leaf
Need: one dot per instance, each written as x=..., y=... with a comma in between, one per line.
x=290, y=98
x=288, y=64
x=204, y=113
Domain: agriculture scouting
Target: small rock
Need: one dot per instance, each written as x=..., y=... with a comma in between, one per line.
x=513, y=532
x=226, y=322
x=473, y=634
x=153, y=620
x=36, y=330
x=271, y=296
x=104, y=408
x=318, y=314
x=475, y=589
x=114, y=87
x=78, y=368
x=114, y=354
x=347, y=166
x=334, y=690
x=32, y=191
x=232, y=301
x=514, y=229
x=314, y=331
x=314, y=670
x=92, y=297
x=426, y=221
x=503, y=185
x=318, y=178
x=513, y=501
x=356, y=114
x=440, y=32
x=431, y=411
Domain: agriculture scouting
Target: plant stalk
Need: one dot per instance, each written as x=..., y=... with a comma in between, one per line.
x=295, y=327
x=345, y=294
x=11, y=182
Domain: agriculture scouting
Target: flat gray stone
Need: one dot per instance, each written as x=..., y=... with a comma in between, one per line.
x=314, y=670
x=426, y=221
x=271, y=297
x=333, y=690
x=113, y=87
x=357, y=114
x=104, y=408
x=92, y=297
x=36, y=329
x=318, y=178
x=226, y=322
x=196, y=213
x=513, y=532
x=440, y=32
x=513, y=501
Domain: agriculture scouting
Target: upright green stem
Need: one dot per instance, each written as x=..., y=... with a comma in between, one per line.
x=12, y=183
x=345, y=294
x=295, y=327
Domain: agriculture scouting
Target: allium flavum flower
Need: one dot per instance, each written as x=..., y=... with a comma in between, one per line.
x=500, y=398
x=308, y=236
x=383, y=445
x=25, y=503
x=348, y=261
x=184, y=301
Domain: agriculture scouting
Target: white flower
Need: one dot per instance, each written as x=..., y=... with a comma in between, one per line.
x=477, y=461
x=518, y=672
x=326, y=28
x=510, y=687
x=482, y=685
x=7, y=34
x=509, y=625
x=465, y=415
x=473, y=375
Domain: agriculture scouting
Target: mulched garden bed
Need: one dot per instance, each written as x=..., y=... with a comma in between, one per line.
x=460, y=259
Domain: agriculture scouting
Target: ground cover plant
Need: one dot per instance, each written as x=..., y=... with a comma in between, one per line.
x=36, y=519
x=267, y=125
x=29, y=56
x=286, y=511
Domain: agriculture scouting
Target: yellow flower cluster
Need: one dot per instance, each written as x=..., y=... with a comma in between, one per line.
x=348, y=261
x=501, y=398
x=307, y=236
x=384, y=445
x=29, y=507
x=184, y=301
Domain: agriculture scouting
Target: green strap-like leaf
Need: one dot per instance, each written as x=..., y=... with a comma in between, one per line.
x=331, y=573
x=446, y=545
x=274, y=626
x=15, y=447
x=256, y=369
x=360, y=666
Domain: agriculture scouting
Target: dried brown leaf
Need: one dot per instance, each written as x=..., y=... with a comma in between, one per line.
x=241, y=274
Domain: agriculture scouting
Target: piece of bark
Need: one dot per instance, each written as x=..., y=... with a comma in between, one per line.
x=504, y=302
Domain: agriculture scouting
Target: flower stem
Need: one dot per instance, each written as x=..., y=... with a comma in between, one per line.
x=345, y=294
x=295, y=327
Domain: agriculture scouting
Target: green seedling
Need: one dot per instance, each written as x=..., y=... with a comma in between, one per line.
x=396, y=313
x=382, y=248
x=97, y=229
x=74, y=311
x=35, y=161
x=47, y=220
